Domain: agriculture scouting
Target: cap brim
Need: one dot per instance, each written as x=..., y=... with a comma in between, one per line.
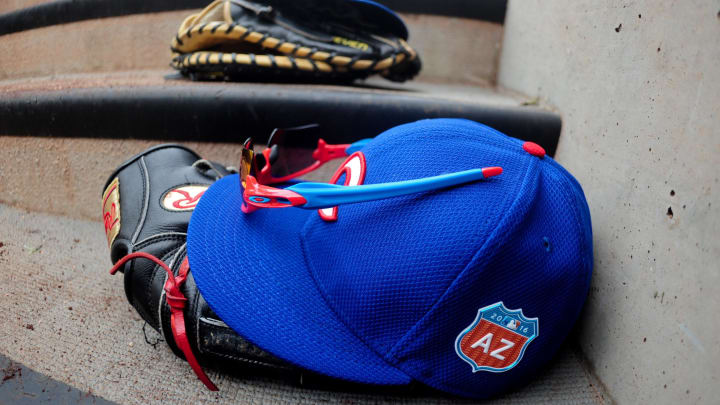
x=252, y=272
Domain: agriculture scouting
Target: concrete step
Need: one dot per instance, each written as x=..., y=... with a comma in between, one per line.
x=9, y=6
x=61, y=137
x=142, y=41
x=65, y=317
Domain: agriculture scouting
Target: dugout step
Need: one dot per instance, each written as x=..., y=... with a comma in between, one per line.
x=163, y=106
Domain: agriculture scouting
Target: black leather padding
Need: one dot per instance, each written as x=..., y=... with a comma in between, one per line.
x=145, y=225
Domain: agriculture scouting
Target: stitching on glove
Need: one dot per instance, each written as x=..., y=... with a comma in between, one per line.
x=233, y=357
x=160, y=237
x=146, y=199
x=150, y=281
x=180, y=251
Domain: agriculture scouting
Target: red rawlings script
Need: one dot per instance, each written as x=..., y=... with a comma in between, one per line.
x=189, y=201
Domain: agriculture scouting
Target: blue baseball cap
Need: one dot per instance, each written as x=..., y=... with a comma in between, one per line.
x=470, y=290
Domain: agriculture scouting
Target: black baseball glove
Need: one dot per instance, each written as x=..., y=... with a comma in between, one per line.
x=311, y=40
x=147, y=205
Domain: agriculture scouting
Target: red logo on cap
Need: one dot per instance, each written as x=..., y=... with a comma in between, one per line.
x=354, y=170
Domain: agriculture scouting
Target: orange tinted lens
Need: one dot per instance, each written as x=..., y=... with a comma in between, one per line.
x=246, y=161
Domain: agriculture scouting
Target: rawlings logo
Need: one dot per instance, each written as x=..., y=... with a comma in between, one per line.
x=111, y=210
x=354, y=170
x=183, y=198
x=497, y=339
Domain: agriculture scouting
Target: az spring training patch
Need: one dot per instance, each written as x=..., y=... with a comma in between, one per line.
x=497, y=339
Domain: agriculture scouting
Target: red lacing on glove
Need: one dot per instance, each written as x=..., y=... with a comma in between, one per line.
x=176, y=300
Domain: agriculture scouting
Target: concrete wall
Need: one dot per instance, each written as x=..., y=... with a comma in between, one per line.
x=638, y=86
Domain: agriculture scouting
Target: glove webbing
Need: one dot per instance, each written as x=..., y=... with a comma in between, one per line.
x=176, y=300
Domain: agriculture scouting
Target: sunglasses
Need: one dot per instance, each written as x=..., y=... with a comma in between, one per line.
x=294, y=152
x=311, y=195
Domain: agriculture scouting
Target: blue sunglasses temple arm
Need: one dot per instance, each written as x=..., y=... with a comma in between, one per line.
x=356, y=146
x=324, y=195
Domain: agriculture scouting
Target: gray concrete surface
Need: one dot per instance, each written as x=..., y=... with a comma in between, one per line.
x=461, y=92
x=66, y=176
x=447, y=49
x=7, y=6
x=142, y=41
x=637, y=85
x=20, y=385
x=139, y=41
x=64, y=316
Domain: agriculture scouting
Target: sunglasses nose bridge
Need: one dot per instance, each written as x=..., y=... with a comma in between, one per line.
x=273, y=154
x=259, y=162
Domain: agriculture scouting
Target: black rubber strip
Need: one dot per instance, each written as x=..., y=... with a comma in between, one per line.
x=214, y=112
x=21, y=385
x=67, y=11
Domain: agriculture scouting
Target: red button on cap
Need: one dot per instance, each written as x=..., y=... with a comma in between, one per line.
x=534, y=149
